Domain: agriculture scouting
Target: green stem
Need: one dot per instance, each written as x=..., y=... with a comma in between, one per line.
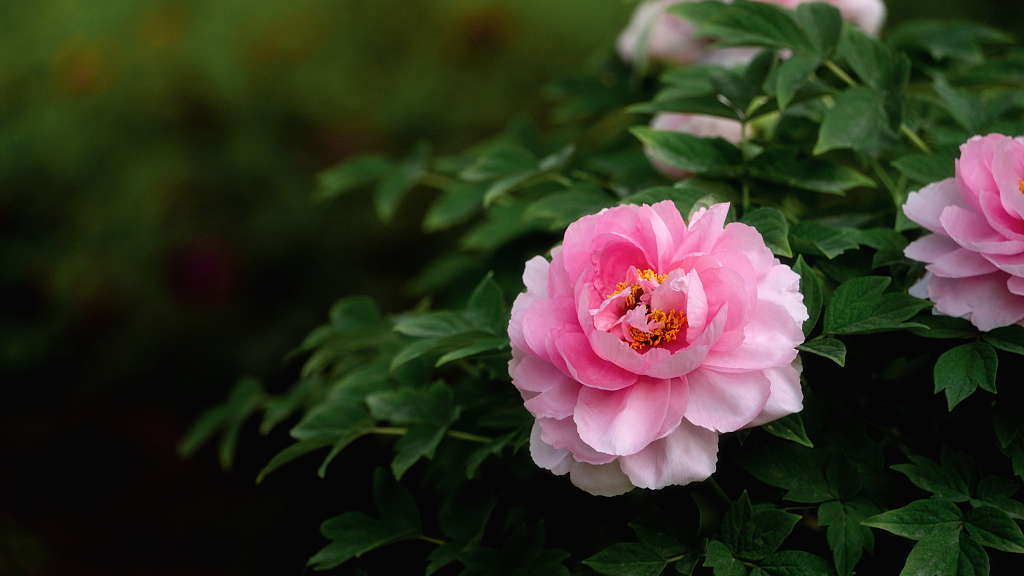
x=840, y=72
x=915, y=139
x=469, y=437
x=560, y=179
x=884, y=177
x=432, y=540
x=718, y=489
x=399, y=431
x=746, y=196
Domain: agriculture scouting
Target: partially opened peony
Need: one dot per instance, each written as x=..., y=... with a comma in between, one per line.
x=975, y=253
x=662, y=36
x=644, y=338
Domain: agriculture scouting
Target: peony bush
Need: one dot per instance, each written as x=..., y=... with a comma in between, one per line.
x=768, y=304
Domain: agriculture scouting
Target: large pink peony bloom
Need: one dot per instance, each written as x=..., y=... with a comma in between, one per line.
x=699, y=125
x=644, y=338
x=975, y=255
x=670, y=38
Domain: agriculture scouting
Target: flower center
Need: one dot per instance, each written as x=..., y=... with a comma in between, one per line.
x=1020, y=185
x=660, y=326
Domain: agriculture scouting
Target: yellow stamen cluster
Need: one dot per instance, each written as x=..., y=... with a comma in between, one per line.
x=1020, y=185
x=648, y=275
x=671, y=324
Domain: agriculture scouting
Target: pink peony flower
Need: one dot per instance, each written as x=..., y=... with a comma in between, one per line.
x=975, y=254
x=698, y=125
x=645, y=338
x=670, y=38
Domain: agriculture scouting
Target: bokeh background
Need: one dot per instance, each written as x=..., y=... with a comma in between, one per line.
x=158, y=239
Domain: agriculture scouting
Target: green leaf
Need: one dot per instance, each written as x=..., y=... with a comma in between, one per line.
x=328, y=419
x=942, y=40
x=721, y=559
x=944, y=327
x=480, y=454
x=816, y=238
x=996, y=492
x=486, y=306
x=856, y=121
x=963, y=369
x=926, y=168
x=294, y=451
x=464, y=513
x=830, y=348
x=796, y=563
x=627, y=559
x=352, y=174
x=859, y=306
x=688, y=152
x=790, y=427
x=792, y=467
x=410, y=406
x=811, y=290
x=772, y=226
x=419, y=441
x=780, y=165
x=740, y=90
x=435, y=324
x=993, y=528
x=672, y=99
x=563, y=208
x=942, y=552
x=454, y=206
x=888, y=243
x=823, y=24
x=793, y=74
x=665, y=532
x=413, y=350
x=393, y=186
x=1007, y=338
x=746, y=24
x=754, y=532
x=918, y=519
x=847, y=538
x=872, y=61
x=355, y=533
x=943, y=482
x=502, y=160
x=244, y=399
x=967, y=110
x=492, y=345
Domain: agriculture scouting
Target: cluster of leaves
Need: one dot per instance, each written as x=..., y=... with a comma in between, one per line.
x=839, y=128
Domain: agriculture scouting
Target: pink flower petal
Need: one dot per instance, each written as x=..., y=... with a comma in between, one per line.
x=562, y=434
x=926, y=206
x=725, y=402
x=787, y=397
x=684, y=361
x=1012, y=264
x=689, y=454
x=555, y=393
x=705, y=228
x=609, y=347
x=770, y=339
x=973, y=232
x=623, y=421
x=559, y=284
x=781, y=286
x=1008, y=171
x=746, y=240
x=930, y=248
x=544, y=316
x=601, y=480
x=547, y=456
x=515, y=324
x=588, y=368
x=961, y=263
x=985, y=298
x=974, y=168
x=1003, y=223
x=1015, y=285
x=535, y=277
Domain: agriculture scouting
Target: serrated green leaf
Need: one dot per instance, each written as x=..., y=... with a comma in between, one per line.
x=960, y=371
x=918, y=519
x=811, y=290
x=790, y=427
x=992, y=527
x=1007, y=338
x=942, y=481
x=859, y=306
x=772, y=226
x=627, y=559
x=995, y=491
x=830, y=348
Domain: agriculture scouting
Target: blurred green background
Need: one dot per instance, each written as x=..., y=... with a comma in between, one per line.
x=158, y=238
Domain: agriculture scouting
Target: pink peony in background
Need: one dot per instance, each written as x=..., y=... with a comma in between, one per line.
x=699, y=125
x=645, y=338
x=670, y=38
x=975, y=253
